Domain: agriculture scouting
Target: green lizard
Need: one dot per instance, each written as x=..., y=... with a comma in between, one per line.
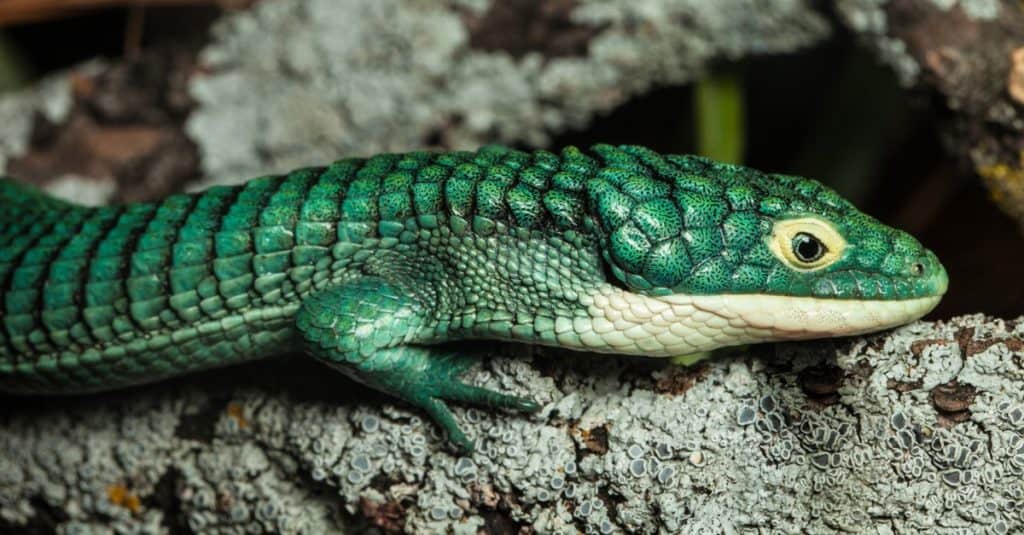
x=370, y=263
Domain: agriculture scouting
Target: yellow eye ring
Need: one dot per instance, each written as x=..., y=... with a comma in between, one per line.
x=807, y=243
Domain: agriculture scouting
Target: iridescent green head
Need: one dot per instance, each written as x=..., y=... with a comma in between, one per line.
x=688, y=225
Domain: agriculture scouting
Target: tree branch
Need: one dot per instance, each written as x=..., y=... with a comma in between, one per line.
x=970, y=56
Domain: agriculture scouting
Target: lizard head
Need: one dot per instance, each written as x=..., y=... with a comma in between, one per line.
x=744, y=256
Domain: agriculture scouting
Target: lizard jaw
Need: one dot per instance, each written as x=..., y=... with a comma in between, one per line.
x=630, y=323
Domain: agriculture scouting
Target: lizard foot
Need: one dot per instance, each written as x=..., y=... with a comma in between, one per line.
x=429, y=379
x=364, y=328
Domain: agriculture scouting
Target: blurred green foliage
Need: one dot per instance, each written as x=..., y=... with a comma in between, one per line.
x=718, y=100
x=14, y=70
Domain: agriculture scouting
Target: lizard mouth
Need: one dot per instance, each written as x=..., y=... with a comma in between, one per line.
x=630, y=323
x=798, y=318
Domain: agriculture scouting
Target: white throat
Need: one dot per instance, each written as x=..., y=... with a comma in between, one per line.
x=630, y=323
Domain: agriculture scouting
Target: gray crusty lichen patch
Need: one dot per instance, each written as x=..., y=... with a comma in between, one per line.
x=870, y=19
x=50, y=99
x=293, y=83
x=918, y=429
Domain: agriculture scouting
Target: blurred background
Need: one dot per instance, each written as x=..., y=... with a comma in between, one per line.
x=111, y=101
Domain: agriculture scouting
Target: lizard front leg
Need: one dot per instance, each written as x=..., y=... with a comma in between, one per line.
x=369, y=327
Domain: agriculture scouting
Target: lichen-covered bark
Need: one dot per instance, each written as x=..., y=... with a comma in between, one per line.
x=106, y=131
x=921, y=428
x=293, y=83
x=382, y=75
x=969, y=54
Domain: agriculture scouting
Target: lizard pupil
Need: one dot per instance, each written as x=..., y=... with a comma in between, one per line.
x=807, y=248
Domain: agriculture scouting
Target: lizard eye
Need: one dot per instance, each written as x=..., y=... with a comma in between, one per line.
x=807, y=243
x=807, y=248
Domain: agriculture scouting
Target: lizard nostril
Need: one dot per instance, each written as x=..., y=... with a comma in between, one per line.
x=917, y=269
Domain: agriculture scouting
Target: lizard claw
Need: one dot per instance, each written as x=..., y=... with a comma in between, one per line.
x=436, y=407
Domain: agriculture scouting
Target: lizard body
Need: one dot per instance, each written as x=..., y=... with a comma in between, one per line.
x=368, y=264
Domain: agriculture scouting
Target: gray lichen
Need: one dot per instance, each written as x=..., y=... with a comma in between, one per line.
x=962, y=53
x=50, y=99
x=294, y=82
x=921, y=428
x=870, y=20
x=975, y=9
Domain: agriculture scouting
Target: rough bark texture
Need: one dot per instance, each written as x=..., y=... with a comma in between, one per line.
x=969, y=55
x=292, y=83
x=921, y=428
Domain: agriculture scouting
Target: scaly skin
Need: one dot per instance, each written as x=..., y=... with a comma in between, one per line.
x=370, y=263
